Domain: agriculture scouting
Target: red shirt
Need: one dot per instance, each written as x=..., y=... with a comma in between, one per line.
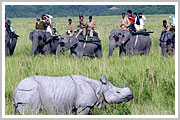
x=131, y=19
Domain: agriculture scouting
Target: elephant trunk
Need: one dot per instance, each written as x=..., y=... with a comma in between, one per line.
x=34, y=46
x=112, y=45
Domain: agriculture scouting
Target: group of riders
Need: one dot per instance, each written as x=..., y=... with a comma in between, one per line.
x=45, y=24
x=133, y=22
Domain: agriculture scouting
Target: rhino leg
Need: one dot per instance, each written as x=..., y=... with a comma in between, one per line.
x=83, y=111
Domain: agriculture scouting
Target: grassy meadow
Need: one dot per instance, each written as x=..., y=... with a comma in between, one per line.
x=151, y=78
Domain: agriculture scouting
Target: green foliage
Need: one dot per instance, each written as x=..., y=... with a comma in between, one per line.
x=30, y=11
x=151, y=77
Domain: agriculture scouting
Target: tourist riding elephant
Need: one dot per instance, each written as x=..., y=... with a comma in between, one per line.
x=42, y=42
x=167, y=43
x=74, y=94
x=10, y=43
x=79, y=48
x=129, y=44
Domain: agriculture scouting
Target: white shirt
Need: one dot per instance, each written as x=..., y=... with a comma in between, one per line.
x=141, y=20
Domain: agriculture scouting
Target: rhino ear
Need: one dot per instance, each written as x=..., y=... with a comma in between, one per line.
x=103, y=79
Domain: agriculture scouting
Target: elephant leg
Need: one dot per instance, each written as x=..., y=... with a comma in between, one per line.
x=164, y=51
x=147, y=51
x=99, y=52
x=47, y=49
x=7, y=53
x=83, y=111
x=80, y=52
x=7, y=44
x=58, y=50
x=112, y=45
x=13, y=45
x=34, y=47
x=121, y=52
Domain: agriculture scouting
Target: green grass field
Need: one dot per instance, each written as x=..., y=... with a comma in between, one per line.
x=151, y=78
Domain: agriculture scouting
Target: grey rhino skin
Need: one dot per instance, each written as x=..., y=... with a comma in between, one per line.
x=42, y=42
x=126, y=43
x=10, y=44
x=77, y=48
x=167, y=39
x=75, y=94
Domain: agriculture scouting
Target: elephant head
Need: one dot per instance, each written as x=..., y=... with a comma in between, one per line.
x=114, y=94
x=124, y=37
x=31, y=36
x=166, y=38
x=67, y=41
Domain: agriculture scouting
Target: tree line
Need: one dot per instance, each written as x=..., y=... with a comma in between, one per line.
x=31, y=11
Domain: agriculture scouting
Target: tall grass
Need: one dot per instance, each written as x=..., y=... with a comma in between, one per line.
x=151, y=77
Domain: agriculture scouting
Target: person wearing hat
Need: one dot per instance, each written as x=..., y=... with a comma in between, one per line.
x=70, y=30
x=82, y=25
x=91, y=26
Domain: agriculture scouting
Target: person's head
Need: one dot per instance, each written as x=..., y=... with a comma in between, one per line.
x=43, y=17
x=140, y=15
x=164, y=22
x=134, y=14
x=81, y=17
x=38, y=19
x=129, y=12
x=90, y=18
x=69, y=20
x=123, y=15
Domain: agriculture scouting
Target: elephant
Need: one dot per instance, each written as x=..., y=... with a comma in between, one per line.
x=43, y=42
x=74, y=94
x=79, y=48
x=167, y=43
x=128, y=43
x=10, y=43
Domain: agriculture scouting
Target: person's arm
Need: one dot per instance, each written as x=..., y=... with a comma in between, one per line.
x=143, y=17
x=168, y=27
x=36, y=25
x=128, y=22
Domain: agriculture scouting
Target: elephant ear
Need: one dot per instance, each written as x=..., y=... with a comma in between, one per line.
x=46, y=36
x=31, y=36
x=73, y=41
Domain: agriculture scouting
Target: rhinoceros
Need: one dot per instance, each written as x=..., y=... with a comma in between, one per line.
x=74, y=94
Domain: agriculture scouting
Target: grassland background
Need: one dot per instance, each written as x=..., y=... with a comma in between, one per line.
x=151, y=78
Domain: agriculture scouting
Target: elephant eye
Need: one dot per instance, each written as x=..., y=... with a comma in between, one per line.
x=118, y=92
